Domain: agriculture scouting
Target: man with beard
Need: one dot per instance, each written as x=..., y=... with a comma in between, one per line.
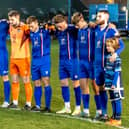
x=103, y=32
x=20, y=58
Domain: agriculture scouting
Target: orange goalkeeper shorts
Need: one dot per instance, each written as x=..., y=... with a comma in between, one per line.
x=20, y=66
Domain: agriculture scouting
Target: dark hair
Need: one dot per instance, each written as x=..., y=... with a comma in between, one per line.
x=13, y=13
x=103, y=11
x=31, y=19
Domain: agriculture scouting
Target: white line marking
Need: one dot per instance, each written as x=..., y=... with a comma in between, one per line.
x=80, y=118
x=77, y=118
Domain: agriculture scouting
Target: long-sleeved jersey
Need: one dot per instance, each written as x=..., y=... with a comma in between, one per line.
x=112, y=72
x=41, y=43
x=3, y=49
x=85, y=44
x=67, y=43
x=100, y=44
x=3, y=34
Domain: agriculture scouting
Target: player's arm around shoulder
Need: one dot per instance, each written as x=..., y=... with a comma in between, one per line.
x=26, y=29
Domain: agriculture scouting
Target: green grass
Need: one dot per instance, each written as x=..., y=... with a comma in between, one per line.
x=21, y=119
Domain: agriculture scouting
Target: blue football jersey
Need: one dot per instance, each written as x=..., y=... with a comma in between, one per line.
x=67, y=43
x=85, y=44
x=4, y=26
x=100, y=44
x=41, y=43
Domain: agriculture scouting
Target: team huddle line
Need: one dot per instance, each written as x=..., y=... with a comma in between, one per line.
x=86, y=51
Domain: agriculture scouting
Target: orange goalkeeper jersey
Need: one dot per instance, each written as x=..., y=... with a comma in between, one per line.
x=19, y=41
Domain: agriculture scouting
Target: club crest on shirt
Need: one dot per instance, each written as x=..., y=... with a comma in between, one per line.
x=41, y=34
x=98, y=44
x=25, y=72
x=18, y=30
x=63, y=41
x=82, y=39
x=36, y=42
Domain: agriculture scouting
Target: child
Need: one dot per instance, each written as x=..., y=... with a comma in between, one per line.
x=113, y=81
x=102, y=32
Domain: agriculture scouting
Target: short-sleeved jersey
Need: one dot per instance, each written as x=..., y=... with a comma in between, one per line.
x=41, y=43
x=17, y=36
x=67, y=42
x=110, y=69
x=3, y=34
x=85, y=44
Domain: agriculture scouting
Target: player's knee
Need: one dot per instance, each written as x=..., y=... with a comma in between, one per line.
x=85, y=91
x=64, y=82
x=5, y=78
x=101, y=88
x=26, y=80
x=46, y=81
x=37, y=83
x=76, y=83
x=96, y=91
x=95, y=88
x=15, y=79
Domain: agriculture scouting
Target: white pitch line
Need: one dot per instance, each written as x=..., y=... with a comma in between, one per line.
x=79, y=118
x=121, y=127
x=68, y=116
